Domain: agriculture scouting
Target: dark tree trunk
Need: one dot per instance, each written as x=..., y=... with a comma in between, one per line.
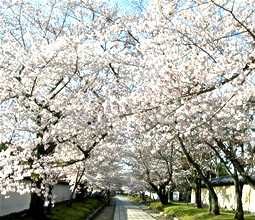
x=83, y=192
x=236, y=163
x=161, y=192
x=142, y=196
x=238, y=185
x=108, y=197
x=238, y=192
x=215, y=204
x=163, y=197
x=36, y=208
x=48, y=208
x=77, y=182
x=210, y=203
x=70, y=201
x=198, y=192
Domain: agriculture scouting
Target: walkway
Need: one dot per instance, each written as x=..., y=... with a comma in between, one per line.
x=107, y=212
x=127, y=211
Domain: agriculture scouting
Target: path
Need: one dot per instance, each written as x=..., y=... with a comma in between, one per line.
x=107, y=212
x=125, y=210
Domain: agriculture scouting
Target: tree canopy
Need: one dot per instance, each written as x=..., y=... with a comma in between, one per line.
x=149, y=85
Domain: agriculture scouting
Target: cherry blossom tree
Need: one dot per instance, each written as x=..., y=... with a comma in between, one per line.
x=54, y=74
x=76, y=75
x=152, y=163
x=193, y=69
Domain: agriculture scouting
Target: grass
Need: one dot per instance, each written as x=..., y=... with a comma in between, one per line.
x=135, y=199
x=185, y=212
x=79, y=210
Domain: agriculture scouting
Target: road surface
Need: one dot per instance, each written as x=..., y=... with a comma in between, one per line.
x=125, y=210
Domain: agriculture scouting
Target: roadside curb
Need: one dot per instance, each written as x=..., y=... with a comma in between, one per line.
x=104, y=212
x=112, y=217
x=95, y=212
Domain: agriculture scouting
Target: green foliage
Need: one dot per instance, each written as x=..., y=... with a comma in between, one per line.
x=157, y=205
x=136, y=199
x=35, y=176
x=186, y=212
x=3, y=147
x=79, y=210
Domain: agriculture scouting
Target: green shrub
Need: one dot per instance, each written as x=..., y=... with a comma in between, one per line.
x=135, y=198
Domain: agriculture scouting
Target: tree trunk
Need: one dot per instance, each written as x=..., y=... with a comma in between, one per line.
x=210, y=203
x=36, y=208
x=238, y=185
x=142, y=196
x=163, y=198
x=198, y=192
x=70, y=201
x=238, y=192
x=215, y=209
x=108, y=193
x=161, y=192
x=83, y=193
x=48, y=208
x=236, y=163
x=77, y=182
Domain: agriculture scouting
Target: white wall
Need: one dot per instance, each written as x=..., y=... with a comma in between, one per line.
x=248, y=198
x=61, y=192
x=18, y=203
x=226, y=197
x=15, y=203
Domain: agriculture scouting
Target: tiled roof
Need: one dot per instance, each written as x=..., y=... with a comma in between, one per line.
x=225, y=181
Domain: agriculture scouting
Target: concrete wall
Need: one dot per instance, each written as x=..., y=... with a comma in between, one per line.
x=14, y=202
x=61, y=192
x=248, y=198
x=226, y=197
x=17, y=203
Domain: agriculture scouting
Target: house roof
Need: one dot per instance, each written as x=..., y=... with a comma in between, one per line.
x=226, y=181
x=223, y=181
